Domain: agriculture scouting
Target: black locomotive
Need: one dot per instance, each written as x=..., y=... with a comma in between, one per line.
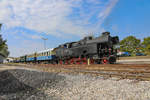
x=99, y=50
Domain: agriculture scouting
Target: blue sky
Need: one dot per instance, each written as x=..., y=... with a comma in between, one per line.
x=26, y=21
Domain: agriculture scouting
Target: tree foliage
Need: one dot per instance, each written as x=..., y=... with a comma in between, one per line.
x=3, y=46
x=146, y=45
x=130, y=44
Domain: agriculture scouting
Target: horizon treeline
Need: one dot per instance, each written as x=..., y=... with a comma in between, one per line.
x=134, y=45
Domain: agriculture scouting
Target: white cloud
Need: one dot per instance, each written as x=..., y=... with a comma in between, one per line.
x=51, y=16
x=107, y=9
x=30, y=35
x=36, y=37
x=40, y=15
x=27, y=47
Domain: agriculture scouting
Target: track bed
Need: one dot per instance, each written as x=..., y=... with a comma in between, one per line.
x=122, y=71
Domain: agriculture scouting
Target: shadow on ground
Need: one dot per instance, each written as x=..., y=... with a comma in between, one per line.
x=24, y=85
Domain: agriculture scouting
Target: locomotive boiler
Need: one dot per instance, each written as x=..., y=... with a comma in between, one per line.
x=99, y=50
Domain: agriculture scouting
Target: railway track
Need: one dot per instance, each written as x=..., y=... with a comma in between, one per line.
x=136, y=75
x=123, y=75
x=121, y=71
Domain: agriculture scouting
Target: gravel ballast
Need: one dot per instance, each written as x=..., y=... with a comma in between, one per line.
x=21, y=84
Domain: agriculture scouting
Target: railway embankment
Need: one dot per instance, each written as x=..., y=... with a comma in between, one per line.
x=71, y=83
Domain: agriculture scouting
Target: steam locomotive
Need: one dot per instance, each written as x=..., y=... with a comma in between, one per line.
x=99, y=50
x=96, y=50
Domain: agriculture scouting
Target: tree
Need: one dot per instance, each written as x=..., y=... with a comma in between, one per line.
x=146, y=41
x=3, y=47
x=146, y=45
x=130, y=44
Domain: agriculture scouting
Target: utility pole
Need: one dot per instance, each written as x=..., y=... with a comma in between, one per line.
x=0, y=26
x=44, y=39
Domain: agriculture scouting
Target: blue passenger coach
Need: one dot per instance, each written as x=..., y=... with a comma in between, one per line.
x=45, y=55
x=41, y=56
x=31, y=58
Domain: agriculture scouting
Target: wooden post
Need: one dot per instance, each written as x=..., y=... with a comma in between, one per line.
x=88, y=61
